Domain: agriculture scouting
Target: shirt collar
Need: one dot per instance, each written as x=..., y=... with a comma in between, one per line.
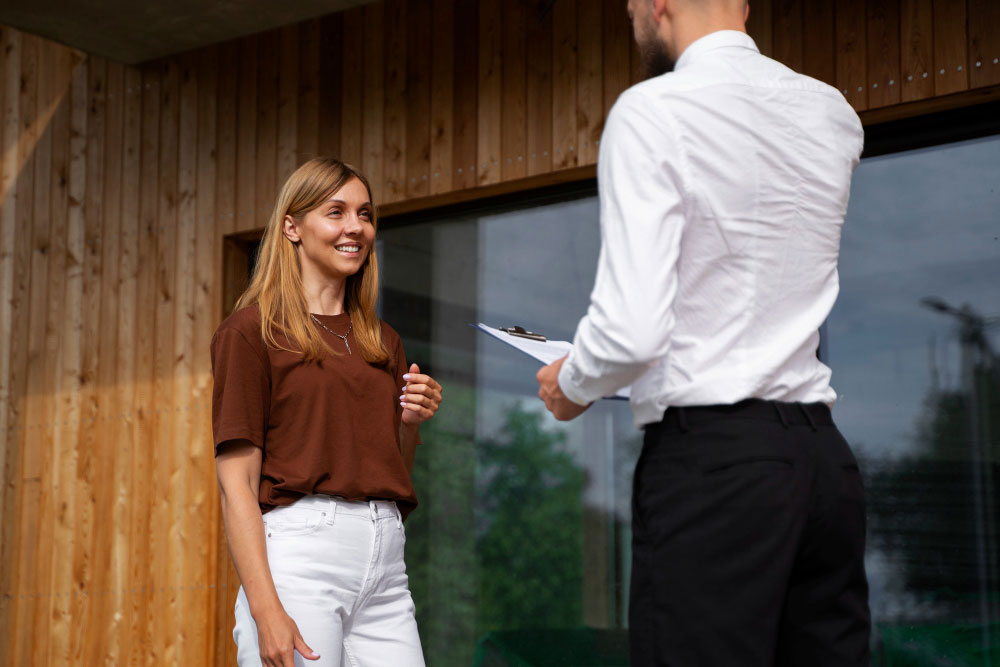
x=715, y=40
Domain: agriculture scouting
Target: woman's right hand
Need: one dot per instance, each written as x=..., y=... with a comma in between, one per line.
x=278, y=636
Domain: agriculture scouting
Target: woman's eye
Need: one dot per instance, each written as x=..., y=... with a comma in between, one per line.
x=334, y=212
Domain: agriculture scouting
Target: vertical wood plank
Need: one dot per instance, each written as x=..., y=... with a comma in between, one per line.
x=490, y=79
x=851, y=52
x=442, y=95
x=288, y=106
x=143, y=483
x=984, y=43
x=617, y=36
x=950, y=47
x=203, y=505
x=788, y=33
x=227, y=206
x=125, y=351
x=246, y=136
x=66, y=583
x=331, y=71
x=307, y=140
x=373, y=98
x=760, y=25
x=466, y=94
x=166, y=600
x=51, y=512
x=50, y=210
x=182, y=485
x=18, y=292
x=513, y=132
x=267, y=126
x=352, y=89
x=418, y=100
x=394, y=126
x=564, y=83
x=538, y=88
x=883, y=53
x=10, y=65
x=89, y=472
x=589, y=92
x=917, y=49
x=108, y=568
x=818, y=60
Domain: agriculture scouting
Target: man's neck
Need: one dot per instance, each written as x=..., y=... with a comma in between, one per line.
x=694, y=26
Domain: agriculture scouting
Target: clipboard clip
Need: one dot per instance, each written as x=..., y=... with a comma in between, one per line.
x=520, y=331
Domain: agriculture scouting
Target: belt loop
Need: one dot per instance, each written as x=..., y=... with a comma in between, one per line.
x=682, y=423
x=812, y=424
x=781, y=415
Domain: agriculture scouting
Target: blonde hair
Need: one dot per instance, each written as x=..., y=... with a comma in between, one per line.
x=276, y=286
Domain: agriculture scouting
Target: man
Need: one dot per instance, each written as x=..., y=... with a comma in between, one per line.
x=723, y=188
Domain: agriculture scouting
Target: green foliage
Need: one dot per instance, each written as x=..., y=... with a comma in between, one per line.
x=530, y=536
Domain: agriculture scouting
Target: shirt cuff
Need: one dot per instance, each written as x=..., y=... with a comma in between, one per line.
x=569, y=382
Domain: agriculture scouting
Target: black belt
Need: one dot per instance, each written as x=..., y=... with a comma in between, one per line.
x=788, y=414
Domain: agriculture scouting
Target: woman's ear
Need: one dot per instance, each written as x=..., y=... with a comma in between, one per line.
x=291, y=229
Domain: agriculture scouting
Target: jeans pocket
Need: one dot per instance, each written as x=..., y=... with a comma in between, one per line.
x=292, y=522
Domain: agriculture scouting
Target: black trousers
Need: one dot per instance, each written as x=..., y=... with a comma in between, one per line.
x=748, y=541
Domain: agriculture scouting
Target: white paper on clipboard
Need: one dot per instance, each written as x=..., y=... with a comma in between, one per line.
x=543, y=351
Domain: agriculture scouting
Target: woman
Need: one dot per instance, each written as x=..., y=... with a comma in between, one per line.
x=313, y=449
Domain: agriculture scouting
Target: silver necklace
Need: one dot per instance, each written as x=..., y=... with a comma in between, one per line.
x=343, y=338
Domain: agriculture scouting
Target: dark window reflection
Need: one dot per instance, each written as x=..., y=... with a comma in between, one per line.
x=519, y=552
x=912, y=344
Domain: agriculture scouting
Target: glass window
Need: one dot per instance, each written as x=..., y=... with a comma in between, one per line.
x=912, y=342
x=520, y=547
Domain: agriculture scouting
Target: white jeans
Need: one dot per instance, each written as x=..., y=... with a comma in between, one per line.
x=338, y=568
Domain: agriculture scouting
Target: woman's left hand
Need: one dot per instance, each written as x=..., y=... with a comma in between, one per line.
x=421, y=396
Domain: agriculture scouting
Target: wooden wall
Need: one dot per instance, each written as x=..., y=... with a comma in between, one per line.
x=118, y=185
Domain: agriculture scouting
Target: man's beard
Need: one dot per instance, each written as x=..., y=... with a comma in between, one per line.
x=653, y=60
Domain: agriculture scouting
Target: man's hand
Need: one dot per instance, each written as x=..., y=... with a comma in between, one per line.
x=549, y=391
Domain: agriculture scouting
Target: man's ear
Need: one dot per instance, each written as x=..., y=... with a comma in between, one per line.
x=661, y=8
x=290, y=229
x=746, y=12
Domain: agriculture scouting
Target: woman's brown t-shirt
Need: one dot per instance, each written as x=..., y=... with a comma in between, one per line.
x=330, y=427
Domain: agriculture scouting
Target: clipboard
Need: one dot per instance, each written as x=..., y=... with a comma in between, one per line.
x=538, y=347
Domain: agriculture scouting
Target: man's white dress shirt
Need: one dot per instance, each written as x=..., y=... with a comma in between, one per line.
x=723, y=187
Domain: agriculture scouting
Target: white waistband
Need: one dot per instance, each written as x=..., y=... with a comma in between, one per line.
x=366, y=508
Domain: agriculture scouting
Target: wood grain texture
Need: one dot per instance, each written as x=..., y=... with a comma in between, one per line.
x=760, y=25
x=951, y=48
x=589, y=88
x=120, y=185
x=513, y=133
x=487, y=165
x=851, y=54
x=352, y=90
x=984, y=43
x=538, y=89
x=883, y=53
x=466, y=95
x=564, y=83
x=916, y=30
x=417, y=162
x=818, y=33
x=395, y=111
x=788, y=33
x=617, y=43
x=442, y=101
